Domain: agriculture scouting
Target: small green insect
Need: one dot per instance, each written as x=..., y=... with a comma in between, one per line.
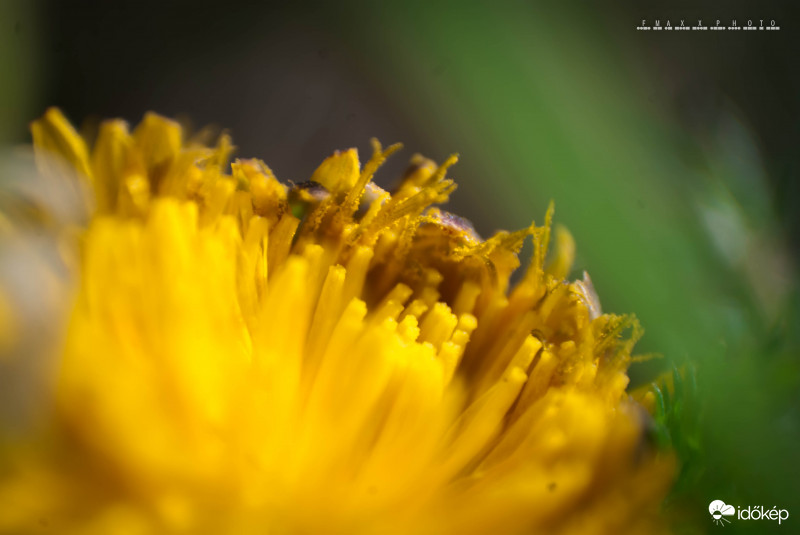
x=305, y=197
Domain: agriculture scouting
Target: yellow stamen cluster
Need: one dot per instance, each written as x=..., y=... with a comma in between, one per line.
x=244, y=357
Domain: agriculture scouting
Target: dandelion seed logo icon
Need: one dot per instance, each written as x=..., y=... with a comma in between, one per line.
x=719, y=510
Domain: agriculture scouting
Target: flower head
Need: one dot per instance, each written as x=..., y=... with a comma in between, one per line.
x=245, y=356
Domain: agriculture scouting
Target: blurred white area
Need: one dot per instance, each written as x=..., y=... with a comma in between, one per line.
x=736, y=207
x=39, y=217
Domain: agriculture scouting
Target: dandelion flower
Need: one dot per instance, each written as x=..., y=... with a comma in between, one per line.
x=244, y=356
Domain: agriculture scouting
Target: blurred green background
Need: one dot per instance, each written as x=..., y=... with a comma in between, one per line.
x=672, y=157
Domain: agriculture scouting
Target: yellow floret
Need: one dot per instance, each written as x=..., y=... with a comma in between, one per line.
x=360, y=365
